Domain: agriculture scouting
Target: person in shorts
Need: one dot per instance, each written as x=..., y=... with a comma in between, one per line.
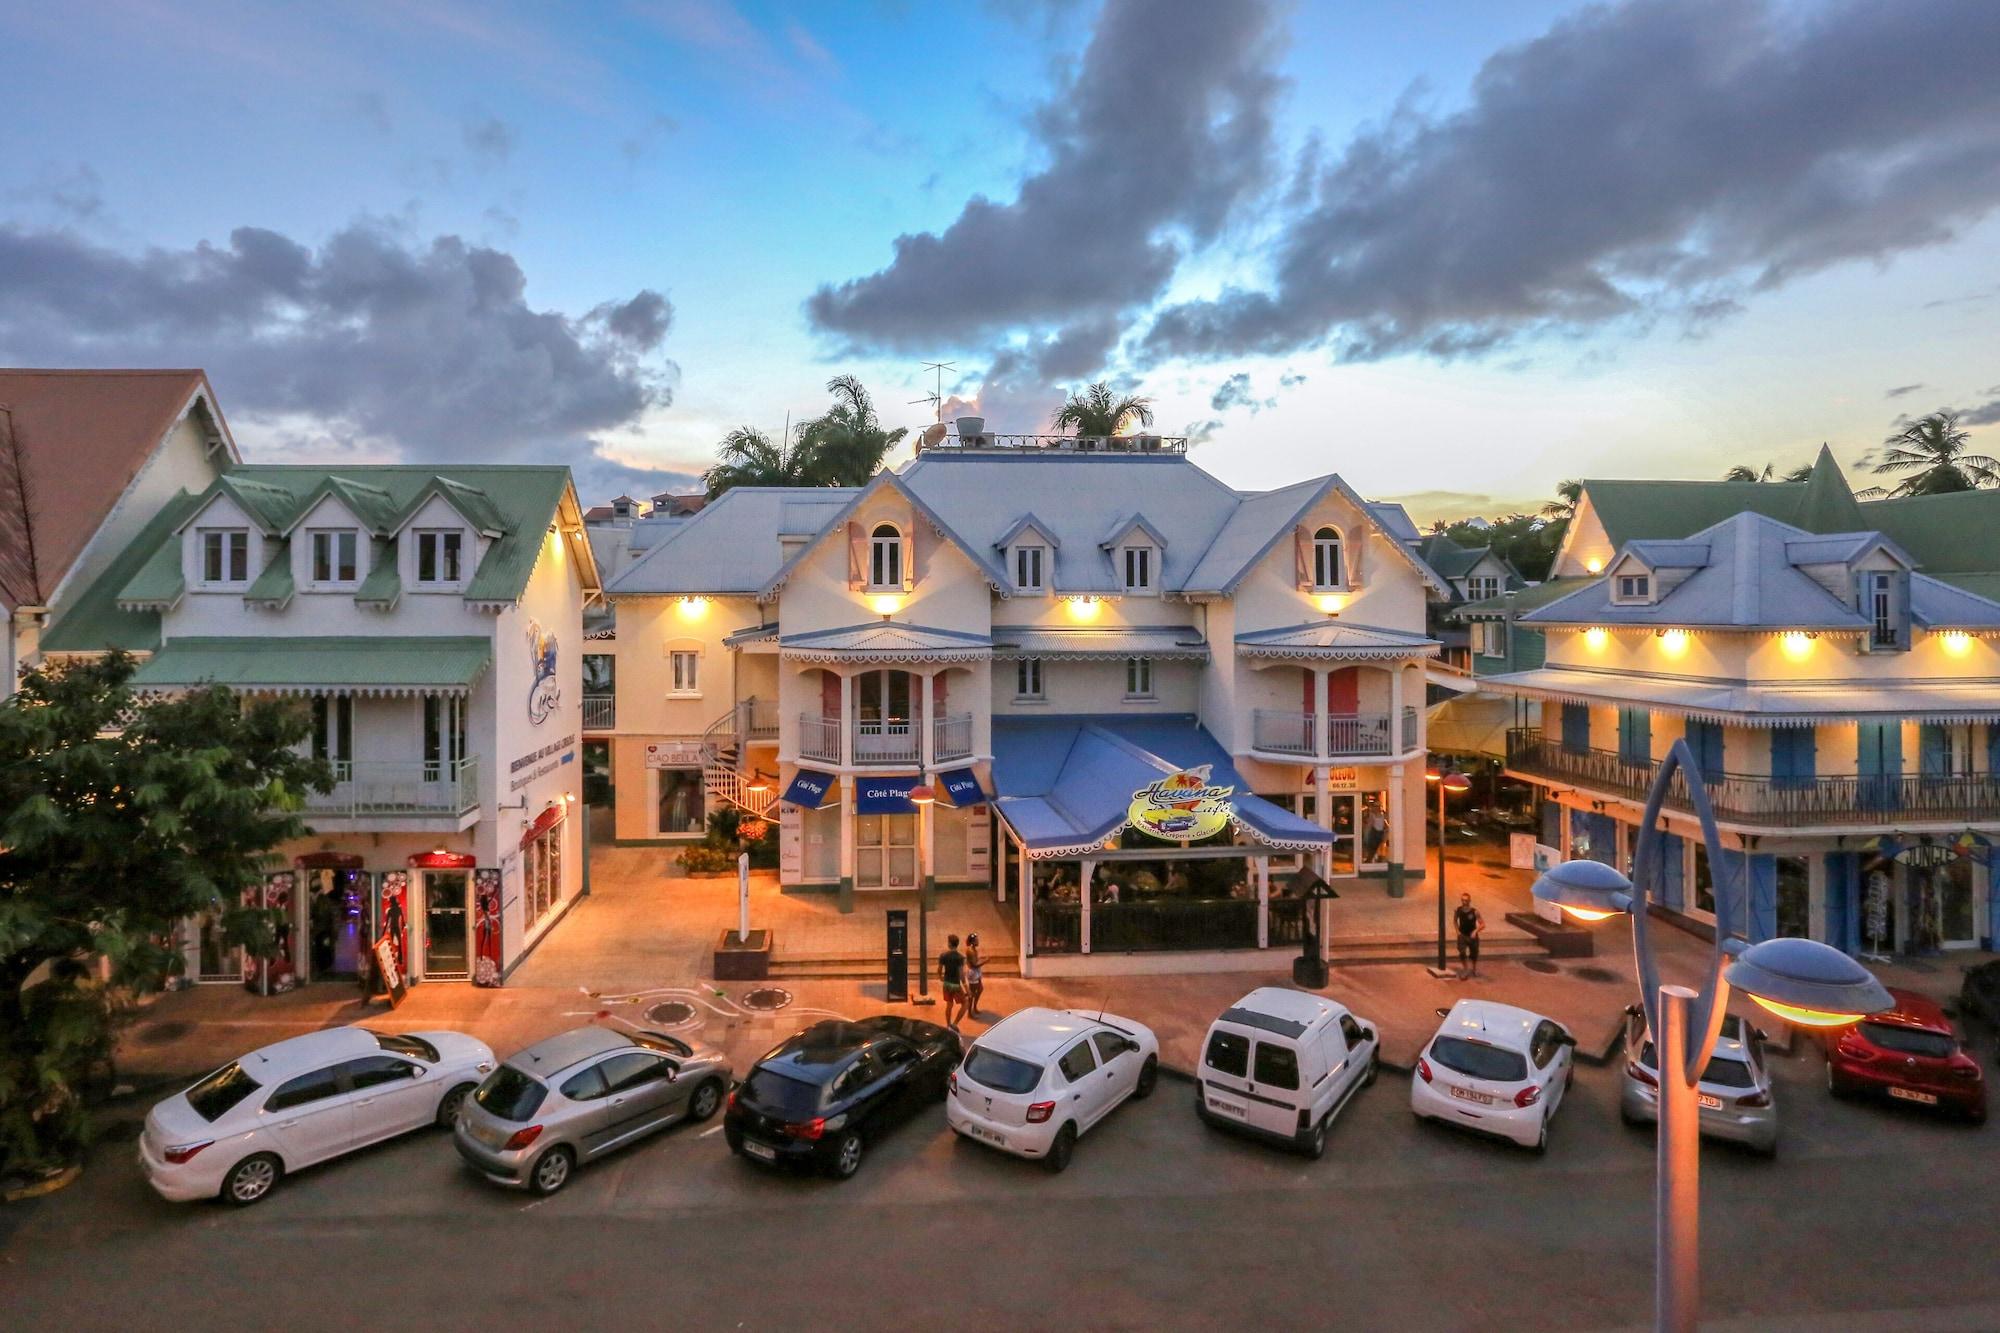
x=1469, y=923
x=951, y=976
x=975, y=975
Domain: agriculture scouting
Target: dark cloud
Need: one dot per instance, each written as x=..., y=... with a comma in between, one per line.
x=1655, y=159
x=1986, y=414
x=1201, y=432
x=643, y=142
x=1236, y=392
x=1291, y=379
x=1902, y=389
x=427, y=349
x=489, y=139
x=1163, y=129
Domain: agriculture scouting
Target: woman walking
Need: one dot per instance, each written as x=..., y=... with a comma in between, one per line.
x=975, y=975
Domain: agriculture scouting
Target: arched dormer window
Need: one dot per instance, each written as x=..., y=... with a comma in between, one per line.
x=1327, y=569
x=885, y=557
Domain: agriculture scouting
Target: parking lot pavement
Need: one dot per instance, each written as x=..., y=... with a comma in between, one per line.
x=1160, y=1222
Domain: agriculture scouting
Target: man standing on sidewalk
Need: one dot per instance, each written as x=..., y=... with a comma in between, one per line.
x=1470, y=923
x=951, y=975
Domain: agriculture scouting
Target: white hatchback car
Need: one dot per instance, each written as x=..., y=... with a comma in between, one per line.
x=1039, y=1078
x=1496, y=1070
x=291, y=1104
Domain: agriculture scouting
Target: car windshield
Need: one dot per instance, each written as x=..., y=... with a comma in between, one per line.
x=220, y=1091
x=1722, y=1071
x=1002, y=1073
x=661, y=1042
x=1909, y=1041
x=1478, y=1060
x=773, y=1093
x=510, y=1094
x=403, y=1044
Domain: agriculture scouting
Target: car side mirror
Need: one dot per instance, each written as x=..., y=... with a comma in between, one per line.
x=1443, y=1012
x=1760, y=1034
x=673, y=1074
x=1368, y=1034
x=1133, y=1046
x=1566, y=1040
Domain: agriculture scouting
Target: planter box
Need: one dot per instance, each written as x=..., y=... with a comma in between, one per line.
x=743, y=960
x=1562, y=941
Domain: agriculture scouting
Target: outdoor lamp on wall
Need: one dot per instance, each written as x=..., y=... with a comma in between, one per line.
x=1594, y=565
x=1082, y=608
x=886, y=605
x=692, y=608
x=1330, y=602
x=1796, y=644
x=1596, y=637
x=1957, y=642
x=1673, y=642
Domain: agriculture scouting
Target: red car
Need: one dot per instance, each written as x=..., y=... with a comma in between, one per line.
x=1909, y=1054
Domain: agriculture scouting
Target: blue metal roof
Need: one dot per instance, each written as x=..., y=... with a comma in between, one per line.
x=1065, y=782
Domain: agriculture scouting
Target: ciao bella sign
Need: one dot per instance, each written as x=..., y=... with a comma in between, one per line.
x=1181, y=807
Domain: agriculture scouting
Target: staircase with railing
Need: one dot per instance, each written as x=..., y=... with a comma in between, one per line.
x=722, y=744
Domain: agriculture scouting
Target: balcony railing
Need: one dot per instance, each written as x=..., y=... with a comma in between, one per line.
x=1281, y=731
x=888, y=740
x=894, y=740
x=369, y=788
x=1849, y=798
x=951, y=736
x=819, y=738
x=600, y=712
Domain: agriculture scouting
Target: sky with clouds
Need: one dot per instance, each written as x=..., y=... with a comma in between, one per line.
x=1453, y=250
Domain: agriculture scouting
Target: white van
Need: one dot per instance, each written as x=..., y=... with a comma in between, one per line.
x=1280, y=1064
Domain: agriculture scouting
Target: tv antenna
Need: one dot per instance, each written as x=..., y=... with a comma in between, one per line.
x=936, y=397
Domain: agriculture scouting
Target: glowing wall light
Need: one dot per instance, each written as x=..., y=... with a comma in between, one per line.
x=1674, y=642
x=886, y=605
x=1083, y=608
x=1957, y=642
x=1595, y=638
x=1330, y=602
x=1796, y=645
x=692, y=608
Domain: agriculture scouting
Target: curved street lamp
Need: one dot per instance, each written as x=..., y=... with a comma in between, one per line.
x=1449, y=781
x=1802, y=981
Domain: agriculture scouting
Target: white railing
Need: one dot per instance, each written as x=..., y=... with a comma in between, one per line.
x=364, y=787
x=1281, y=731
x=757, y=719
x=819, y=738
x=600, y=712
x=726, y=784
x=891, y=740
x=951, y=736
x=1101, y=444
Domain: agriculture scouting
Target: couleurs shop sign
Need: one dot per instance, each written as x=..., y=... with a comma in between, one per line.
x=1182, y=807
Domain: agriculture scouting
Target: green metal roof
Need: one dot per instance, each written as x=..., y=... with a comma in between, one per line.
x=1668, y=510
x=273, y=587
x=1948, y=535
x=375, y=507
x=384, y=584
x=1527, y=599
x=94, y=622
x=364, y=664
x=159, y=582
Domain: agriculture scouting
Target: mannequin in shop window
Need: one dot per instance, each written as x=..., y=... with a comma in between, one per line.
x=1374, y=832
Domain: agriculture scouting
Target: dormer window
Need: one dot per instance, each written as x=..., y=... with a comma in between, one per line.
x=225, y=556
x=335, y=556
x=440, y=557
x=1138, y=562
x=885, y=557
x=1328, y=572
x=1635, y=587
x=1879, y=603
x=1028, y=565
x=1482, y=586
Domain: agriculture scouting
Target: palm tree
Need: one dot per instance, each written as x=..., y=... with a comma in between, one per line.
x=1569, y=494
x=846, y=445
x=1097, y=411
x=1742, y=472
x=747, y=457
x=1934, y=449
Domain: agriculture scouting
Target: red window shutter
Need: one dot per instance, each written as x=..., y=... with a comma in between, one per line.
x=857, y=557
x=829, y=695
x=1302, y=552
x=937, y=693
x=1311, y=679
x=1343, y=691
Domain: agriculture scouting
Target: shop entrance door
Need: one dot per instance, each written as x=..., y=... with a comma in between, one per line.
x=1345, y=862
x=336, y=936
x=447, y=943
x=885, y=851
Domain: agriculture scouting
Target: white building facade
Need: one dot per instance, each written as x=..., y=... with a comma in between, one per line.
x=1035, y=632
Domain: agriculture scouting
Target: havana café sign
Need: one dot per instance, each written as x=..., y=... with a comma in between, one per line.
x=1181, y=807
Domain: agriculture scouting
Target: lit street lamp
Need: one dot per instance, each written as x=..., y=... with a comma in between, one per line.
x=1449, y=781
x=922, y=797
x=1800, y=980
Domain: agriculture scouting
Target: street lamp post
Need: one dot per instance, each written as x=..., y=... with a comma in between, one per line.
x=1802, y=981
x=922, y=796
x=1448, y=781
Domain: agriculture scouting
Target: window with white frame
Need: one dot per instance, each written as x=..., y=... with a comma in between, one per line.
x=1635, y=588
x=440, y=559
x=885, y=557
x=1328, y=572
x=335, y=556
x=1138, y=568
x=684, y=672
x=1491, y=637
x=1028, y=678
x=225, y=556
x=1481, y=586
x=1138, y=678
x=1028, y=568
x=542, y=872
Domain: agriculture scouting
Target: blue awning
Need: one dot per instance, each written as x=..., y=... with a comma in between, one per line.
x=809, y=788
x=961, y=787
x=884, y=796
x=1065, y=783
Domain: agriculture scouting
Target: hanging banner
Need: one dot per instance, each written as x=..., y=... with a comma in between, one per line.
x=961, y=787
x=486, y=927
x=808, y=788
x=884, y=796
x=1181, y=807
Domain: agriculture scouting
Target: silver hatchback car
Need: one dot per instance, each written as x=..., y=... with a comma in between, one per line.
x=582, y=1094
x=1735, y=1088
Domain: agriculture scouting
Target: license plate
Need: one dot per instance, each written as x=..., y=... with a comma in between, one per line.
x=1236, y=1109
x=760, y=1151
x=987, y=1135
x=1708, y=1103
x=1468, y=1095
x=1912, y=1095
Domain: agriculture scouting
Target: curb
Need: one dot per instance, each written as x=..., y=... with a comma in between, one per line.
x=48, y=1185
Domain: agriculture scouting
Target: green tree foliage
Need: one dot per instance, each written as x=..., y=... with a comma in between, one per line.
x=1769, y=472
x=1931, y=456
x=1526, y=541
x=1101, y=410
x=844, y=446
x=119, y=817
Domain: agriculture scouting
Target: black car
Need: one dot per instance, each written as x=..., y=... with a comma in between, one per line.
x=821, y=1097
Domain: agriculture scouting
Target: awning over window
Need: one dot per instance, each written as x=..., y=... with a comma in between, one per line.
x=343, y=664
x=545, y=821
x=809, y=788
x=1064, y=785
x=441, y=860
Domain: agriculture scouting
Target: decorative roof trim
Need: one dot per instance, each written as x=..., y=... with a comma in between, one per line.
x=995, y=580
x=1279, y=844
x=1358, y=653
x=1023, y=524
x=885, y=656
x=1180, y=653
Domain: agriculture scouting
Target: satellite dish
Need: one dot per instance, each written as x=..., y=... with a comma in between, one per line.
x=931, y=435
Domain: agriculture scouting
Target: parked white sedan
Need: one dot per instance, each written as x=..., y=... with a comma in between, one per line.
x=1039, y=1078
x=237, y=1132
x=1496, y=1070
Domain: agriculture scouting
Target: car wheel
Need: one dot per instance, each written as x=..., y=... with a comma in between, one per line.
x=1833, y=1085
x=846, y=1159
x=1767, y=1151
x=449, y=1103
x=1315, y=1145
x=1625, y=1114
x=1061, y=1150
x=552, y=1170
x=705, y=1101
x=1374, y=1068
x=1542, y=1138
x=251, y=1179
x=1976, y=1117
x=1149, y=1078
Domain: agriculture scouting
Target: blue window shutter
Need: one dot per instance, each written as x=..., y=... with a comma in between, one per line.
x=1843, y=901
x=1673, y=871
x=1635, y=736
x=1794, y=756
x=1763, y=879
x=1933, y=750
x=1993, y=747
x=1576, y=728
